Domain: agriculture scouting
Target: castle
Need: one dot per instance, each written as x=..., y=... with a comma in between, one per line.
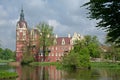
x=26, y=37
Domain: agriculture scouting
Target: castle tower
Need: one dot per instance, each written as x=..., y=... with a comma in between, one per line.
x=21, y=37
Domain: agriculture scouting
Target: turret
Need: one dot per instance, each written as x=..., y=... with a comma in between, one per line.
x=22, y=37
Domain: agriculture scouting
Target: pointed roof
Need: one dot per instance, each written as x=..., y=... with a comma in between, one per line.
x=22, y=15
x=65, y=39
x=22, y=23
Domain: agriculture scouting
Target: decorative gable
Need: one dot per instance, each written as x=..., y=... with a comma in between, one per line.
x=63, y=41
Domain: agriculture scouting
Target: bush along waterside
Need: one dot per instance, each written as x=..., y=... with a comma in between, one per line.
x=8, y=75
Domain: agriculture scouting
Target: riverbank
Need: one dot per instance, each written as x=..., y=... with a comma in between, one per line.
x=58, y=64
x=93, y=64
x=105, y=65
x=6, y=61
x=44, y=63
x=7, y=75
x=14, y=63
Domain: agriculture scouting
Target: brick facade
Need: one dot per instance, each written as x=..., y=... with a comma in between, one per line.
x=30, y=38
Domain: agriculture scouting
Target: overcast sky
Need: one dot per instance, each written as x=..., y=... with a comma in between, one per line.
x=65, y=16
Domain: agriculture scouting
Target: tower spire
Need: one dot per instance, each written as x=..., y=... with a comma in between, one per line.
x=22, y=15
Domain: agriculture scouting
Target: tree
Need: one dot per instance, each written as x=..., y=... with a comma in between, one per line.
x=93, y=45
x=6, y=54
x=114, y=50
x=1, y=53
x=78, y=57
x=107, y=12
x=28, y=56
x=46, y=38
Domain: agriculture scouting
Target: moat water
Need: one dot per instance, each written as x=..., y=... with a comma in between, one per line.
x=51, y=73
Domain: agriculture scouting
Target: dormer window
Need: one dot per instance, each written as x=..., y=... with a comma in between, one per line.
x=63, y=41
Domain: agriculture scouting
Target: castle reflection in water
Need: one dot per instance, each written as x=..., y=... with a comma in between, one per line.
x=38, y=73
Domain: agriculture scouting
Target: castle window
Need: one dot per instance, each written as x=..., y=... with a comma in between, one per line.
x=52, y=54
x=52, y=48
x=56, y=54
x=49, y=54
x=59, y=54
x=56, y=48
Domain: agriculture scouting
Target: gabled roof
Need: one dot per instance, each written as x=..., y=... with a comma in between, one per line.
x=60, y=39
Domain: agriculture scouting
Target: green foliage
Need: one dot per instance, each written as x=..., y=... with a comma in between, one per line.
x=107, y=12
x=93, y=45
x=107, y=65
x=46, y=38
x=46, y=32
x=78, y=57
x=28, y=57
x=6, y=54
x=44, y=64
x=8, y=75
x=114, y=52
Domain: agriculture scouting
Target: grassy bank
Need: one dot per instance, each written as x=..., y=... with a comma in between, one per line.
x=93, y=64
x=6, y=61
x=7, y=75
x=44, y=63
x=105, y=65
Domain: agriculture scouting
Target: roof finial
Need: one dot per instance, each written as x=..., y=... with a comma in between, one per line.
x=22, y=15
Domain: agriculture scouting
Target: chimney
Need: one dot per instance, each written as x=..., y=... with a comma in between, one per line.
x=56, y=36
x=69, y=36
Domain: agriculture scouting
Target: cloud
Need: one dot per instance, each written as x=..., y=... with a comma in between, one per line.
x=7, y=30
x=66, y=16
x=3, y=13
x=59, y=29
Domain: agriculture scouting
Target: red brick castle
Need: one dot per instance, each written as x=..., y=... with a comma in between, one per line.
x=26, y=37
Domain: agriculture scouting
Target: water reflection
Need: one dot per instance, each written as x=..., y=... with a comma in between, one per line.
x=38, y=73
x=51, y=73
